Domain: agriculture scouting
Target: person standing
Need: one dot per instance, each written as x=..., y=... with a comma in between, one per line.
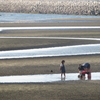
x=62, y=68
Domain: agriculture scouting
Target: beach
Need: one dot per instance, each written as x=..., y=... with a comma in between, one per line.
x=45, y=65
x=67, y=90
x=75, y=21
x=17, y=43
x=88, y=90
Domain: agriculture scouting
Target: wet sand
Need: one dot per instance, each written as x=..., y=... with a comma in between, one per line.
x=72, y=90
x=45, y=65
x=28, y=43
x=58, y=22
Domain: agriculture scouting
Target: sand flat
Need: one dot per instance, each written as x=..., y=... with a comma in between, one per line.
x=76, y=90
x=58, y=22
x=45, y=65
x=71, y=90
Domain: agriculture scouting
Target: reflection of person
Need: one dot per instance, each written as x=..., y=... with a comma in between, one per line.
x=62, y=68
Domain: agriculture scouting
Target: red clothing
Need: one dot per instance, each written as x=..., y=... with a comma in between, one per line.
x=89, y=74
x=84, y=72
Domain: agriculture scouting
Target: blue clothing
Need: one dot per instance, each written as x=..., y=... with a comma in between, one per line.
x=86, y=65
x=63, y=68
x=81, y=68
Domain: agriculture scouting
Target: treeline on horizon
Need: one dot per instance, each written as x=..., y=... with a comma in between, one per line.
x=76, y=7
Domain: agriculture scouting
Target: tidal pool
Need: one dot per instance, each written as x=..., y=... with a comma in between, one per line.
x=44, y=78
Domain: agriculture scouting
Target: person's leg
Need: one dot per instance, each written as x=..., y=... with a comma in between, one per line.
x=83, y=77
x=64, y=75
x=61, y=75
x=89, y=76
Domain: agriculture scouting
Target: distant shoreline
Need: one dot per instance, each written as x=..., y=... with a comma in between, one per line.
x=76, y=7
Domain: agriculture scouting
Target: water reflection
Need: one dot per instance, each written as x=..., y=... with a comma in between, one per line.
x=44, y=78
x=52, y=51
x=73, y=38
x=48, y=28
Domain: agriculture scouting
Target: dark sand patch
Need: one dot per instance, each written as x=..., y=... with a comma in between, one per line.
x=15, y=44
x=50, y=24
x=53, y=33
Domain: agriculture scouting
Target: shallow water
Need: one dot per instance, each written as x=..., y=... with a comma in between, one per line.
x=75, y=38
x=52, y=51
x=44, y=18
x=44, y=78
x=50, y=28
